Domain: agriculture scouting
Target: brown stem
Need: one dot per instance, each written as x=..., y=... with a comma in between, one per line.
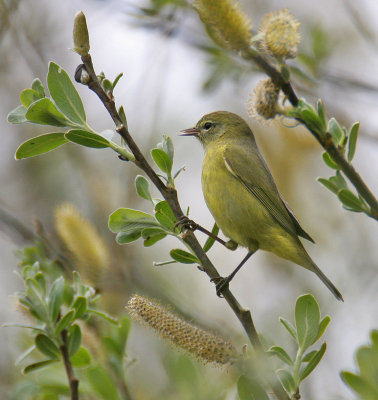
x=170, y=195
x=72, y=380
x=328, y=145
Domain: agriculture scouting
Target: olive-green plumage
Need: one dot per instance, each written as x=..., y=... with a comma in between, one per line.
x=242, y=195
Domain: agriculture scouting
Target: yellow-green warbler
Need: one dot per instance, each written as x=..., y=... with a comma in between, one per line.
x=242, y=195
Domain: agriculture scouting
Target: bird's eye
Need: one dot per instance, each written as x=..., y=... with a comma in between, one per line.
x=207, y=126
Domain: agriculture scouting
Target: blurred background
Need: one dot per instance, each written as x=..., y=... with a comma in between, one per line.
x=173, y=75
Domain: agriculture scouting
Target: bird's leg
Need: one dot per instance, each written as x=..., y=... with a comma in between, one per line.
x=222, y=282
x=189, y=224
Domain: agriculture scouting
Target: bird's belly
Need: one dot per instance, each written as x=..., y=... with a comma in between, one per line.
x=239, y=215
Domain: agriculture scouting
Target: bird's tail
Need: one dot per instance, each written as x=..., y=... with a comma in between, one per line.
x=327, y=282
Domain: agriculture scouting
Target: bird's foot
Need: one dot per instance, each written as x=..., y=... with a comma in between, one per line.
x=221, y=284
x=186, y=224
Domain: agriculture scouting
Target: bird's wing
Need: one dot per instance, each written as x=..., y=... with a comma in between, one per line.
x=259, y=182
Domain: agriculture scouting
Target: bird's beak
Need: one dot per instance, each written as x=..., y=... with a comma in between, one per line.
x=190, y=132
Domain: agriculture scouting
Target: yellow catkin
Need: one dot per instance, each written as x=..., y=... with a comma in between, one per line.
x=205, y=346
x=280, y=34
x=263, y=102
x=227, y=24
x=82, y=239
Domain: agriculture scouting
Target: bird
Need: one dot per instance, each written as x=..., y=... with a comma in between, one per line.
x=243, y=198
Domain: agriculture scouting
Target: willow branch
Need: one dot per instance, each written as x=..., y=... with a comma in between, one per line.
x=72, y=380
x=326, y=142
x=170, y=195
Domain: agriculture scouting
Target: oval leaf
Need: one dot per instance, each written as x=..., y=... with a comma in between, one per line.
x=287, y=381
x=164, y=215
x=17, y=116
x=353, y=136
x=152, y=239
x=65, y=321
x=56, y=297
x=307, y=318
x=81, y=358
x=38, y=365
x=162, y=160
x=38, y=87
x=350, y=201
x=183, y=256
x=87, y=139
x=46, y=346
x=281, y=354
x=80, y=306
x=143, y=187
x=65, y=95
x=329, y=185
x=123, y=217
x=74, y=339
x=329, y=161
x=29, y=96
x=40, y=145
x=335, y=130
x=44, y=112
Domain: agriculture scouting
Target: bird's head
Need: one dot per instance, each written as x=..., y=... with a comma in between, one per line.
x=216, y=125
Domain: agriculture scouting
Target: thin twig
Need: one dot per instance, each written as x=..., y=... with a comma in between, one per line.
x=72, y=380
x=170, y=195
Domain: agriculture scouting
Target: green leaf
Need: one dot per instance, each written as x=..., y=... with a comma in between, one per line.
x=38, y=365
x=65, y=95
x=74, y=339
x=323, y=326
x=123, y=217
x=40, y=145
x=164, y=215
x=289, y=327
x=102, y=384
x=143, y=187
x=359, y=385
x=55, y=299
x=29, y=96
x=116, y=80
x=328, y=160
x=307, y=318
x=329, y=185
x=17, y=116
x=81, y=358
x=351, y=201
x=312, y=120
x=87, y=139
x=46, y=346
x=183, y=256
x=168, y=147
x=353, y=136
x=65, y=321
x=80, y=306
x=122, y=115
x=153, y=235
x=335, y=130
x=287, y=381
x=313, y=362
x=162, y=160
x=281, y=354
x=44, y=112
x=210, y=241
x=322, y=114
x=306, y=358
x=38, y=87
x=250, y=389
x=338, y=180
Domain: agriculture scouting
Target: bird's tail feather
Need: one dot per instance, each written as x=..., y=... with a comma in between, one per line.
x=327, y=282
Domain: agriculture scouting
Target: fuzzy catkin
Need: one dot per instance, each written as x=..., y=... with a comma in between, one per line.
x=205, y=346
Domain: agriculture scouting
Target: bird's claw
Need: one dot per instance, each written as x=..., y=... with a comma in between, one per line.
x=186, y=224
x=221, y=284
